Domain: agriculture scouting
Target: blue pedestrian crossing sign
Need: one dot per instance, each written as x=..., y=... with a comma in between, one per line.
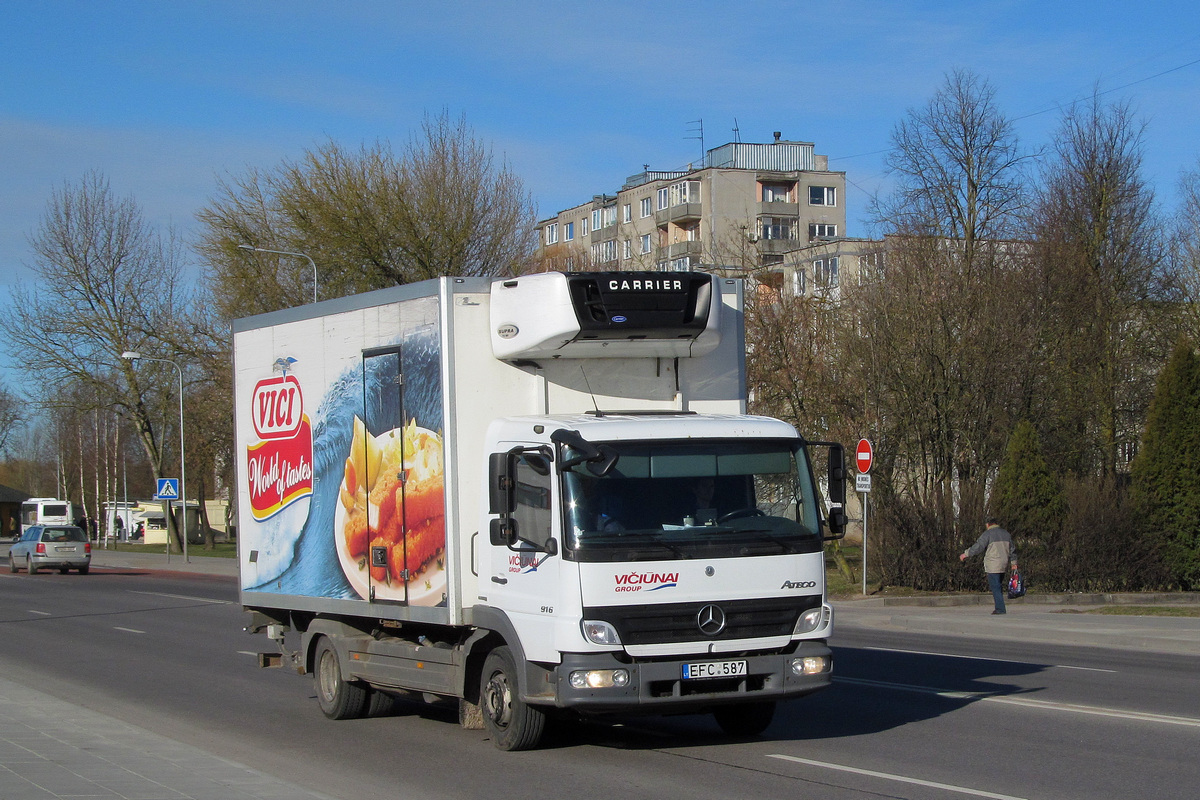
x=168, y=489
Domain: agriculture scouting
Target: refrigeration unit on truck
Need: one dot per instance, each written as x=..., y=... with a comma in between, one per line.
x=539, y=495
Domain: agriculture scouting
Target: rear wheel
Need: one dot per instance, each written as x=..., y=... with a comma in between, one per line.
x=511, y=723
x=746, y=719
x=338, y=698
x=29, y=567
x=63, y=570
x=84, y=570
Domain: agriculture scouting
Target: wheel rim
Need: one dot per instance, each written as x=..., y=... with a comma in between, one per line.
x=497, y=700
x=327, y=675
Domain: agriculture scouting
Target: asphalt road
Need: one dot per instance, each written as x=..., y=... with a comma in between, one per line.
x=911, y=714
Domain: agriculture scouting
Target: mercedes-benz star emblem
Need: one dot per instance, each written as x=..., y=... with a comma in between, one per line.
x=711, y=620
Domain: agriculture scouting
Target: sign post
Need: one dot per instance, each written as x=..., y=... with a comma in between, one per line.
x=864, y=455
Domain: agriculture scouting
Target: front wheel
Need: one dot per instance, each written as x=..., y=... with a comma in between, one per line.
x=511, y=723
x=746, y=719
x=338, y=698
x=12, y=564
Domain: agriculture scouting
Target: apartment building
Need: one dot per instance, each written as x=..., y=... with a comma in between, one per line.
x=748, y=206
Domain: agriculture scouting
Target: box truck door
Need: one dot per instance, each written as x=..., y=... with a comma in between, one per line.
x=383, y=416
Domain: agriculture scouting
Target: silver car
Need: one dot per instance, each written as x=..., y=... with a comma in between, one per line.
x=61, y=547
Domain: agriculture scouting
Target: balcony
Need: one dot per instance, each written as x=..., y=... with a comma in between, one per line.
x=683, y=211
x=681, y=249
x=775, y=209
x=777, y=246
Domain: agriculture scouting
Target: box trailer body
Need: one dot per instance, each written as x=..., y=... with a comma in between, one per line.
x=531, y=494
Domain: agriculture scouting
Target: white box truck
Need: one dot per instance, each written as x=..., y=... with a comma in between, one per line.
x=538, y=495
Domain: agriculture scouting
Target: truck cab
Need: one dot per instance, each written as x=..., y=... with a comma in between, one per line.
x=664, y=561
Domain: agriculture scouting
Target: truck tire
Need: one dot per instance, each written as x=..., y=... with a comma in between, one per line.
x=511, y=723
x=337, y=697
x=745, y=719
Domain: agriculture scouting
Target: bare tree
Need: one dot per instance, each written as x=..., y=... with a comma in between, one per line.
x=11, y=418
x=939, y=341
x=958, y=167
x=369, y=218
x=1185, y=251
x=107, y=283
x=1100, y=260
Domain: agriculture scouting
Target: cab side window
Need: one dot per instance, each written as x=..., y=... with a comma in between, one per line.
x=532, y=496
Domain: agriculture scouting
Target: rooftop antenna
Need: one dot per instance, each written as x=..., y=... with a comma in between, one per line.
x=737, y=134
x=699, y=134
x=588, y=384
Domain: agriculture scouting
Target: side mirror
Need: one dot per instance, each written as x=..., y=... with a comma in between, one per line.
x=837, y=474
x=500, y=496
x=503, y=532
x=836, y=522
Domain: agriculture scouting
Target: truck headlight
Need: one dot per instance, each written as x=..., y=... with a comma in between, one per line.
x=812, y=665
x=598, y=631
x=812, y=619
x=599, y=678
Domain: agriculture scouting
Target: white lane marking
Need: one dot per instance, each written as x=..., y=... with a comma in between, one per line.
x=985, y=658
x=41, y=613
x=887, y=776
x=127, y=630
x=183, y=597
x=1074, y=708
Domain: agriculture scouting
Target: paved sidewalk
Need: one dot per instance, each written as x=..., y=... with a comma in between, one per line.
x=1060, y=619
x=52, y=749
x=156, y=559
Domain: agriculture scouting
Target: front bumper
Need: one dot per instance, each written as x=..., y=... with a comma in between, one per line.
x=658, y=686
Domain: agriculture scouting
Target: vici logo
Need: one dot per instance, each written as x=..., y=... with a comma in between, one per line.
x=280, y=465
x=278, y=407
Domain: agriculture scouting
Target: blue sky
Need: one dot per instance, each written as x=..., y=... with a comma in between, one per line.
x=165, y=97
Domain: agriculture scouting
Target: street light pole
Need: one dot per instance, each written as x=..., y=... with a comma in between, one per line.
x=287, y=253
x=134, y=356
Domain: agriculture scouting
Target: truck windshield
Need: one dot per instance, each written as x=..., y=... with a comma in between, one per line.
x=709, y=499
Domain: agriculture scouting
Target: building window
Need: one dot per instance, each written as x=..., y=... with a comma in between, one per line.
x=604, y=251
x=798, y=283
x=597, y=220
x=626, y=247
x=627, y=213
x=568, y=231
x=552, y=233
x=646, y=207
x=825, y=271
x=820, y=230
x=822, y=196
x=645, y=243
x=777, y=192
x=583, y=227
x=684, y=192
x=610, y=215
x=664, y=198
x=778, y=227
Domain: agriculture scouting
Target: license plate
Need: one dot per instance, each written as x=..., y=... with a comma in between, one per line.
x=714, y=669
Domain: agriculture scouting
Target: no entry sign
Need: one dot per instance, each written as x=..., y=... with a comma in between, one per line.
x=863, y=456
